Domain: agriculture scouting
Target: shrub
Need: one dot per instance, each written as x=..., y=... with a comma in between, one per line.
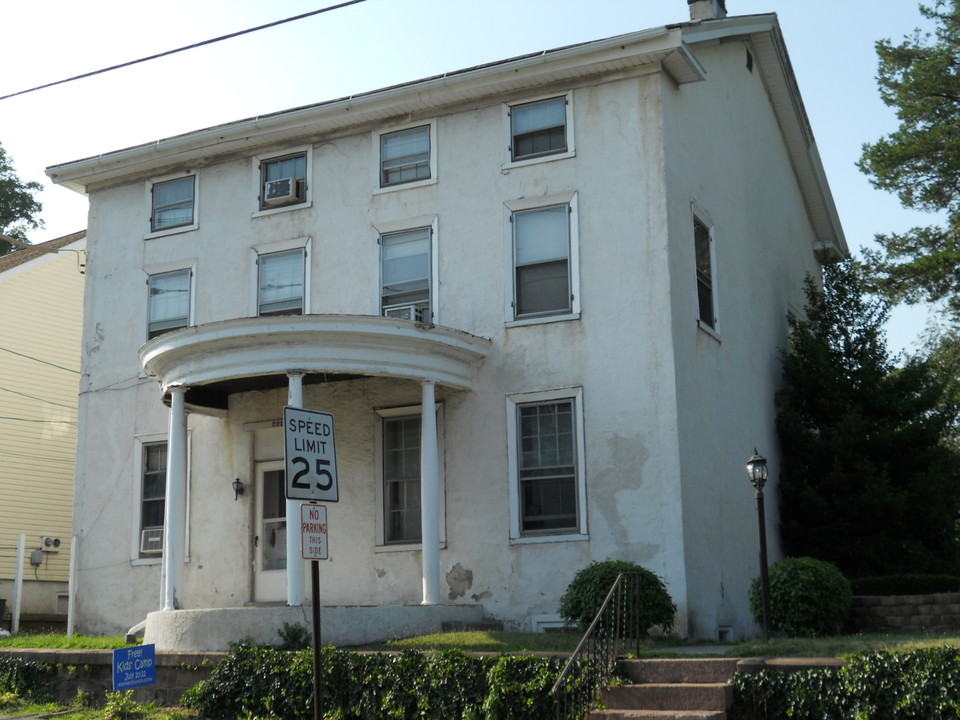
x=648, y=600
x=24, y=678
x=808, y=597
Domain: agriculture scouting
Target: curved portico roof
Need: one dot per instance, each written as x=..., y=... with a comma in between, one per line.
x=257, y=353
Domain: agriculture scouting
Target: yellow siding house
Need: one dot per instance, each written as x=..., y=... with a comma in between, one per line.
x=41, y=307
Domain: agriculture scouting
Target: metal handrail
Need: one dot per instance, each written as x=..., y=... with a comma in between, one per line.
x=591, y=665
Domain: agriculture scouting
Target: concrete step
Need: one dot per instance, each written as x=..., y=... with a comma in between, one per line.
x=670, y=696
x=680, y=670
x=656, y=715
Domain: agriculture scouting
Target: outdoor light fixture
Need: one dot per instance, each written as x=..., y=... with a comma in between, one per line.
x=237, y=488
x=757, y=472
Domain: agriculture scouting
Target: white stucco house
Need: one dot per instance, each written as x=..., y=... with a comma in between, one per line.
x=542, y=298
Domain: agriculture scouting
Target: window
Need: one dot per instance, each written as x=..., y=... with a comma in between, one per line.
x=172, y=204
x=405, y=156
x=405, y=274
x=704, y=252
x=546, y=438
x=152, y=498
x=401, y=479
x=281, y=283
x=541, y=261
x=538, y=129
x=283, y=181
x=169, y=302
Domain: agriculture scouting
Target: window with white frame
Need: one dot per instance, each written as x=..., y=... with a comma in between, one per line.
x=168, y=302
x=405, y=274
x=401, y=479
x=172, y=203
x=547, y=481
x=283, y=181
x=538, y=129
x=405, y=156
x=281, y=282
x=152, y=497
x=541, y=261
x=703, y=245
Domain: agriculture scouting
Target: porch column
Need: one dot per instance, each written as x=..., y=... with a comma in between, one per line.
x=174, y=524
x=296, y=588
x=429, y=496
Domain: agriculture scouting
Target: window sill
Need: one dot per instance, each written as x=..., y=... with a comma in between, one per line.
x=282, y=209
x=540, y=319
x=712, y=332
x=507, y=166
x=144, y=561
x=404, y=547
x=404, y=186
x=171, y=231
x=567, y=537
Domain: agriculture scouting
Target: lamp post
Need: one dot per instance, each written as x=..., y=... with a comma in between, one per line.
x=757, y=472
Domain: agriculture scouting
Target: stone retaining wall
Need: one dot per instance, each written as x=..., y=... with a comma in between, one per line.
x=938, y=612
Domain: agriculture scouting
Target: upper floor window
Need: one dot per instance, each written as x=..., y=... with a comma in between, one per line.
x=703, y=246
x=173, y=203
x=168, y=302
x=283, y=181
x=152, y=497
x=538, y=128
x=405, y=156
x=541, y=255
x=405, y=274
x=281, y=283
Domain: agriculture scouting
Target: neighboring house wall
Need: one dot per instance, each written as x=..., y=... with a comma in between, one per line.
x=41, y=293
x=666, y=410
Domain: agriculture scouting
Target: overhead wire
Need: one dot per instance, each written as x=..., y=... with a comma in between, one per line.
x=44, y=362
x=184, y=48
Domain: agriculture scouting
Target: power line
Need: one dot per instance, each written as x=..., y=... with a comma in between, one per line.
x=30, y=357
x=32, y=397
x=185, y=47
x=32, y=420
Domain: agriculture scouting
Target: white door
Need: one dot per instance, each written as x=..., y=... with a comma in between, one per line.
x=270, y=541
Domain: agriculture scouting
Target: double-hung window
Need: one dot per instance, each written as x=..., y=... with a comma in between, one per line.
x=703, y=247
x=405, y=274
x=168, y=302
x=152, y=497
x=401, y=479
x=541, y=261
x=405, y=156
x=538, y=129
x=281, y=282
x=283, y=181
x=547, y=480
x=172, y=203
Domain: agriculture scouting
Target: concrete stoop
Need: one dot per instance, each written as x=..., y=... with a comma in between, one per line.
x=671, y=689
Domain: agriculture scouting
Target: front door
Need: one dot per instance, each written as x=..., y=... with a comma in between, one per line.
x=270, y=541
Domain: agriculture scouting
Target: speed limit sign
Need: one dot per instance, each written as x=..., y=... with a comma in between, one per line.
x=310, y=454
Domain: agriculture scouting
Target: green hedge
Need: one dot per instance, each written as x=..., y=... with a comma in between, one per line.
x=260, y=681
x=872, y=686
x=905, y=585
x=24, y=678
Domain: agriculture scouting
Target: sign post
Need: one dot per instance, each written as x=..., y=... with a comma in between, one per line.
x=310, y=457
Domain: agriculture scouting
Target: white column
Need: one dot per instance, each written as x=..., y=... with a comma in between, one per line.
x=296, y=587
x=174, y=514
x=430, y=496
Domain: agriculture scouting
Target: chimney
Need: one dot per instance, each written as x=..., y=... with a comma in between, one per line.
x=707, y=9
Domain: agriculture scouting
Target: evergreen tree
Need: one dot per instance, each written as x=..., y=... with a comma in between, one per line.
x=867, y=479
x=19, y=210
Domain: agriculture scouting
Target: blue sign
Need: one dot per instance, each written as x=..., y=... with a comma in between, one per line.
x=134, y=666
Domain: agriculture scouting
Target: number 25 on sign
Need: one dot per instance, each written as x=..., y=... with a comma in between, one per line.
x=311, y=455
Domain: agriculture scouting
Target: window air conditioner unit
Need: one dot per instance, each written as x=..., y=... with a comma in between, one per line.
x=281, y=192
x=405, y=312
x=151, y=541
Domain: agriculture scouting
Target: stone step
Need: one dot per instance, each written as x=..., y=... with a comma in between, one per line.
x=656, y=715
x=680, y=670
x=670, y=696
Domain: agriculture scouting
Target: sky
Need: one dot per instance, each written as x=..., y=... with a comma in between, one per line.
x=378, y=43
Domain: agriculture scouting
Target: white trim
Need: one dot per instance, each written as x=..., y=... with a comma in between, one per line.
x=149, y=183
x=513, y=401
x=395, y=412
x=698, y=213
x=393, y=226
x=304, y=243
x=139, y=441
x=256, y=162
x=508, y=162
x=377, y=168
x=531, y=203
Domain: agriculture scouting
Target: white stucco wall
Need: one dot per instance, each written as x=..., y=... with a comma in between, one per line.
x=669, y=413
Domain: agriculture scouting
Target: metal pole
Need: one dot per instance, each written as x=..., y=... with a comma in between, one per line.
x=18, y=584
x=317, y=660
x=764, y=576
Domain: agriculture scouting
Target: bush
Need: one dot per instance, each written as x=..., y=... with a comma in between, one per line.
x=905, y=584
x=24, y=679
x=589, y=588
x=808, y=597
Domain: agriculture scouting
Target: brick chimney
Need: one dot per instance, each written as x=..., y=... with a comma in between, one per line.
x=707, y=9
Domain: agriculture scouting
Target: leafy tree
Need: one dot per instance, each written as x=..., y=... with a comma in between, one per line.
x=18, y=209
x=868, y=481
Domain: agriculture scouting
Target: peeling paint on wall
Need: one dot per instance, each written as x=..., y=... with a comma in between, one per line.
x=459, y=579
